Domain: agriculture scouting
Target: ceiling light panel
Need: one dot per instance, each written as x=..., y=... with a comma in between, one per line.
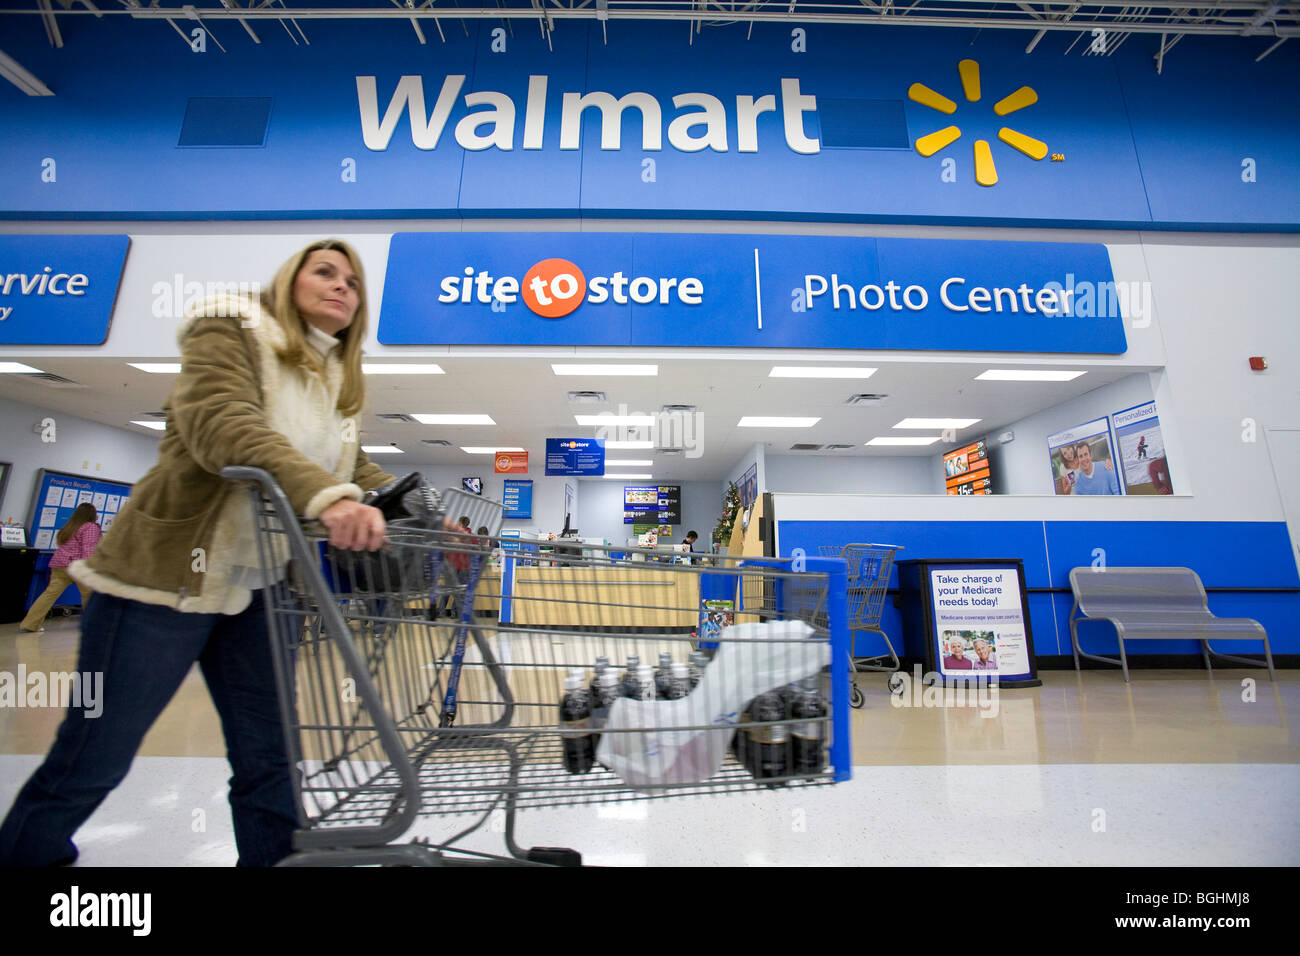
x=604, y=369
x=760, y=421
x=915, y=440
x=157, y=368
x=487, y=449
x=368, y=368
x=599, y=420
x=799, y=371
x=1028, y=375
x=937, y=422
x=454, y=419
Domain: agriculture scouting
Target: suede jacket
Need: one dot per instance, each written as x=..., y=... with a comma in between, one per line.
x=184, y=528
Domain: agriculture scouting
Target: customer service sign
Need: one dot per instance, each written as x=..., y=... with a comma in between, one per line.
x=750, y=291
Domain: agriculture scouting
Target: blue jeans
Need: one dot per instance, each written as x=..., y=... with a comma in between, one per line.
x=144, y=652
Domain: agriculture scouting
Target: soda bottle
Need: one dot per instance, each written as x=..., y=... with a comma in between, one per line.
x=628, y=677
x=698, y=662
x=575, y=714
x=769, y=742
x=740, y=741
x=645, y=682
x=808, y=737
x=607, y=691
x=601, y=664
x=679, y=684
x=663, y=674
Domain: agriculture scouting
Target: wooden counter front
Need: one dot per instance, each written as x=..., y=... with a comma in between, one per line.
x=638, y=595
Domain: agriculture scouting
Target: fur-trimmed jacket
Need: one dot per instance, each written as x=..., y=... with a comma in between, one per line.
x=186, y=534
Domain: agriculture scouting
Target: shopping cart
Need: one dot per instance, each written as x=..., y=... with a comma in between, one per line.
x=392, y=713
x=868, y=580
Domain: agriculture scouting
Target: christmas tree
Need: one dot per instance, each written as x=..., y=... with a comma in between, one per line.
x=730, y=508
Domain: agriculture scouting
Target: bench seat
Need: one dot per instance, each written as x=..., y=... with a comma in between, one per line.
x=1155, y=604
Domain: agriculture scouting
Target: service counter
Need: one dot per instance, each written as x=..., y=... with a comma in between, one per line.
x=635, y=595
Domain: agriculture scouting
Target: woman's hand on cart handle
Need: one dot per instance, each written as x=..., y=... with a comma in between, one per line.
x=354, y=526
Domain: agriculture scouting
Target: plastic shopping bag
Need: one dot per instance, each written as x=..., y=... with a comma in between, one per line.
x=781, y=653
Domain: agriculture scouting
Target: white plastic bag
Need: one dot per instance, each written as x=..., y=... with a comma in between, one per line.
x=739, y=672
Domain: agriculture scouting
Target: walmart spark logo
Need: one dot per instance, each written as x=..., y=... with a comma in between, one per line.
x=986, y=173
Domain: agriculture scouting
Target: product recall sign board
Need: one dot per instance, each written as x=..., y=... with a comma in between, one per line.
x=59, y=290
x=510, y=463
x=575, y=456
x=978, y=620
x=727, y=291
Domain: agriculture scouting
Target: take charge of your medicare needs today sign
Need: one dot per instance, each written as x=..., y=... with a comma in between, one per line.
x=756, y=291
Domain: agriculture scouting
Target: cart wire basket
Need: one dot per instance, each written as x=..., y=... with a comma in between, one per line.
x=868, y=567
x=393, y=711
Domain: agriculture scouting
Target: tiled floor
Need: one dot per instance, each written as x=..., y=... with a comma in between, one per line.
x=1175, y=768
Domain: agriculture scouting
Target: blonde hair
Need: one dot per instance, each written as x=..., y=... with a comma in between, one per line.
x=84, y=514
x=278, y=301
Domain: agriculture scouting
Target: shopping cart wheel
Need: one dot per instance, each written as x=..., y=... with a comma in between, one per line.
x=895, y=684
x=555, y=856
x=857, y=700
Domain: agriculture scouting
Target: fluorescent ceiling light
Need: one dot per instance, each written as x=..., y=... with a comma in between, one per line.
x=937, y=422
x=628, y=445
x=157, y=368
x=604, y=369
x=599, y=420
x=156, y=426
x=645, y=477
x=759, y=421
x=487, y=449
x=381, y=450
x=17, y=368
x=454, y=419
x=813, y=371
x=428, y=369
x=622, y=463
x=1028, y=375
x=904, y=441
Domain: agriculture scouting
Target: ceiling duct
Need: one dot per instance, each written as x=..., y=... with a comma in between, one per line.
x=866, y=398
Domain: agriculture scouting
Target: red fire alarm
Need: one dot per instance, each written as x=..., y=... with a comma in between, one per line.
x=1258, y=363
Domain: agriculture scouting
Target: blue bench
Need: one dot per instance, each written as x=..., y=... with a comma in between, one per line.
x=1159, y=603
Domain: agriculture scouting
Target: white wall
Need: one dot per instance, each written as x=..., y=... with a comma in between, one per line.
x=80, y=448
x=884, y=475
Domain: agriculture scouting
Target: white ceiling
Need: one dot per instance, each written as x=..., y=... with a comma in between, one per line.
x=528, y=402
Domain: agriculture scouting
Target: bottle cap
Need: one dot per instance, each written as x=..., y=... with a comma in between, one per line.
x=681, y=670
x=645, y=672
x=809, y=683
x=573, y=682
x=665, y=659
x=606, y=678
x=602, y=661
x=633, y=660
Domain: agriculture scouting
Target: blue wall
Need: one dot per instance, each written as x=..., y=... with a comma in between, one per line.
x=1254, y=554
x=1138, y=148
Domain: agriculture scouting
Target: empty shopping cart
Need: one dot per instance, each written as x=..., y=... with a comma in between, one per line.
x=392, y=713
x=868, y=581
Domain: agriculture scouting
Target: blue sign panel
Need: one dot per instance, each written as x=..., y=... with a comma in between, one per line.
x=752, y=291
x=518, y=498
x=575, y=456
x=59, y=290
x=607, y=120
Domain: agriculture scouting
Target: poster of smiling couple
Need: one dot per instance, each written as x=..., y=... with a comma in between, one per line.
x=1083, y=461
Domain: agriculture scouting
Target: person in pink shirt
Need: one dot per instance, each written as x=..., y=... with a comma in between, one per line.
x=77, y=540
